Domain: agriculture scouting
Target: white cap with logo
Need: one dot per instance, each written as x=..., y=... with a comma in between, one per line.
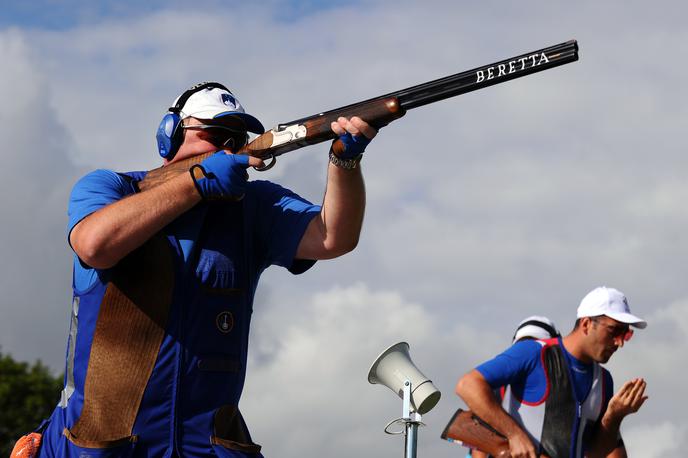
x=609, y=302
x=215, y=102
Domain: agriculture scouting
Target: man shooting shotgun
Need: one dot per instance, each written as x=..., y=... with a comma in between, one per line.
x=166, y=265
x=164, y=281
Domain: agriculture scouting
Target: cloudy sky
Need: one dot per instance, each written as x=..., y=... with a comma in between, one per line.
x=482, y=209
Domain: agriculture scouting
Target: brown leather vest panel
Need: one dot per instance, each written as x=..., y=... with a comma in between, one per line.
x=129, y=331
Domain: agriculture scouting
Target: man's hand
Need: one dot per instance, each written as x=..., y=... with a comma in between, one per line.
x=627, y=400
x=223, y=176
x=520, y=445
x=355, y=135
x=479, y=397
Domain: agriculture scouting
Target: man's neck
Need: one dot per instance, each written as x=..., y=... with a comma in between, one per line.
x=573, y=344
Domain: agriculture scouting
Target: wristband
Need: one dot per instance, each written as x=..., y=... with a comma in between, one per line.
x=347, y=164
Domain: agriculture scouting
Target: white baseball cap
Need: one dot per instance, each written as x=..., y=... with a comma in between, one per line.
x=609, y=302
x=537, y=327
x=215, y=102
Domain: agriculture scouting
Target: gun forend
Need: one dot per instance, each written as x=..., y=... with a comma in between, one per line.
x=315, y=129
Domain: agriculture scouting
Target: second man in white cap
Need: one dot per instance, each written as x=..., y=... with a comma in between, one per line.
x=561, y=401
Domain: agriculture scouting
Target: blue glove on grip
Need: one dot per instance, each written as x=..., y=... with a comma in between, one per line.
x=353, y=145
x=221, y=176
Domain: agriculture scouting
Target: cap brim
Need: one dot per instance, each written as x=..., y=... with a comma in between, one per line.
x=628, y=319
x=252, y=123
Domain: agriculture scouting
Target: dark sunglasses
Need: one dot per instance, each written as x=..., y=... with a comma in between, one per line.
x=616, y=331
x=225, y=136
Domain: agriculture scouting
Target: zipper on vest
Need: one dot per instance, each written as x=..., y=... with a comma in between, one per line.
x=174, y=424
x=178, y=380
x=576, y=428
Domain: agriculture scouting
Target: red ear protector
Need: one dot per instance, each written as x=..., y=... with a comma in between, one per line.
x=170, y=134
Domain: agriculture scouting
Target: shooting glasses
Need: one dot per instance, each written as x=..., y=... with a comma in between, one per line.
x=226, y=137
x=616, y=332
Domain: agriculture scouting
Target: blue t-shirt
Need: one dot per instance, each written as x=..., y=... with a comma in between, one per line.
x=521, y=367
x=278, y=218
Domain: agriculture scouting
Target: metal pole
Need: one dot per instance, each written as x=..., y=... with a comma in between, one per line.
x=411, y=439
x=411, y=420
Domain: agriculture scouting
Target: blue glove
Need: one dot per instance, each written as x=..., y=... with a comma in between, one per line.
x=354, y=145
x=221, y=176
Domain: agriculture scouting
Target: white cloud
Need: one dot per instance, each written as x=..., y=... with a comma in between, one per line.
x=657, y=440
x=316, y=377
x=35, y=177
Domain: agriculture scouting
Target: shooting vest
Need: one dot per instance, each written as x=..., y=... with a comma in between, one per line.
x=158, y=345
x=559, y=424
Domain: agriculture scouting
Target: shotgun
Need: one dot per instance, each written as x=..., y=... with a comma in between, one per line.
x=471, y=431
x=380, y=111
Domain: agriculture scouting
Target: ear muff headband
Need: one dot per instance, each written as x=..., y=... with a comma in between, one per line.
x=552, y=332
x=177, y=108
x=169, y=135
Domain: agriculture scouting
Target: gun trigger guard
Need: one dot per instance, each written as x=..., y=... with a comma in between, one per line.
x=268, y=166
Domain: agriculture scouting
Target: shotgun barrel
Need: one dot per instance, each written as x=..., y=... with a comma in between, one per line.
x=472, y=80
x=380, y=111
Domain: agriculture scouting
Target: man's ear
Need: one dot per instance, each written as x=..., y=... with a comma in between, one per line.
x=586, y=324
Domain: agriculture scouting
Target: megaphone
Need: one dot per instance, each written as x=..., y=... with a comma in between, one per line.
x=394, y=367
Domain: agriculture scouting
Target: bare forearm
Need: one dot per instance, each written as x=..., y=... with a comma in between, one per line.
x=626, y=401
x=606, y=438
x=106, y=236
x=480, y=399
x=343, y=207
x=338, y=227
x=336, y=230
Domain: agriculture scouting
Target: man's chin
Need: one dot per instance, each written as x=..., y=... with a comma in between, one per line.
x=606, y=356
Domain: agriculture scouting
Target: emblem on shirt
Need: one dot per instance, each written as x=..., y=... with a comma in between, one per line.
x=224, y=322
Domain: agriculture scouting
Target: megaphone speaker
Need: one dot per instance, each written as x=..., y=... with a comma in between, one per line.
x=394, y=367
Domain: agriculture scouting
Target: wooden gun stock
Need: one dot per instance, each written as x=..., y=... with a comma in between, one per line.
x=380, y=111
x=470, y=431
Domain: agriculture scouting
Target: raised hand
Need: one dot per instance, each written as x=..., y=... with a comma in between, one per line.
x=628, y=399
x=355, y=135
x=223, y=176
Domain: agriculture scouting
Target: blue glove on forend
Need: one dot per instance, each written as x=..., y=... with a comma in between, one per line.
x=353, y=145
x=221, y=176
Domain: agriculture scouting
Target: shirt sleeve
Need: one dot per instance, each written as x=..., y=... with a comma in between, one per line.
x=512, y=365
x=282, y=218
x=93, y=192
